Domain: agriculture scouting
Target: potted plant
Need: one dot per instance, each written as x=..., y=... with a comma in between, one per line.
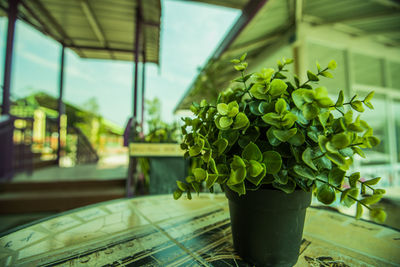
x=270, y=144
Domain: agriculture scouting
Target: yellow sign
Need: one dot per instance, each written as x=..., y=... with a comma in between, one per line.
x=155, y=150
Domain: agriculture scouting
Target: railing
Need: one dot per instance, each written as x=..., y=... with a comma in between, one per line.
x=85, y=153
x=6, y=147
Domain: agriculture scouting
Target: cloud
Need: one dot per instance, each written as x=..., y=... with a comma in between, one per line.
x=70, y=69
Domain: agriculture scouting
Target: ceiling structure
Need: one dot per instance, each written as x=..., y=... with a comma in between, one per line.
x=100, y=29
x=266, y=25
x=238, y=4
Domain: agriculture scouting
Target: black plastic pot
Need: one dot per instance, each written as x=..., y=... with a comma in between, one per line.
x=267, y=225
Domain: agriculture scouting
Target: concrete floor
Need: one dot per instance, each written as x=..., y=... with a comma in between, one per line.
x=109, y=167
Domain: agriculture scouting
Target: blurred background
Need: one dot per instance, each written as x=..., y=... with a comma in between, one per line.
x=90, y=77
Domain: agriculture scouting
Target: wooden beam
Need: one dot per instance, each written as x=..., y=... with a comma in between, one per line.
x=66, y=39
x=94, y=24
x=360, y=18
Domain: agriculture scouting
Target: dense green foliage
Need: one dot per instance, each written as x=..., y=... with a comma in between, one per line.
x=271, y=132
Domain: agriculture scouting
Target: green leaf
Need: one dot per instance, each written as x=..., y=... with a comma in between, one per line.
x=369, y=97
x=318, y=66
x=253, y=106
x=288, y=119
x=272, y=119
x=332, y=65
x=324, y=102
x=257, y=179
x=182, y=186
x=235, y=61
x=340, y=100
x=238, y=188
x=323, y=163
x=357, y=105
x=310, y=111
x=190, y=179
x=272, y=161
x=236, y=176
x=298, y=139
x=304, y=172
x=336, y=177
x=281, y=177
x=280, y=75
x=296, y=81
x=312, y=77
x=222, y=109
x=280, y=65
x=212, y=166
x=266, y=107
x=278, y=87
x=211, y=179
x=255, y=168
x=177, y=194
x=200, y=174
x=307, y=158
x=243, y=57
x=288, y=188
x=379, y=191
x=252, y=152
x=288, y=61
x=207, y=155
x=378, y=215
x=271, y=137
x=358, y=151
x=354, y=178
x=359, y=211
x=225, y=122
x=327, y=74
x=231, y=136
x=336, y=158
x=372, y=181
x=240, y=67
x=196, y=187
x=197, y=148
x=298, y=97
x=233, y=109
x=347, y=197
x=259, y=92
x=372, y=199
x=221, y=145
x=322, y=141
x=241, y=121
x=340, y=140
x=237, y=163
x=369, y=105
x=284, y=135
x=325, y=194
x=373, y=141
x=280, y=106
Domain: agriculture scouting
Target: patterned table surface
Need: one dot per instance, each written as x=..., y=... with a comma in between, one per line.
x=160, y=231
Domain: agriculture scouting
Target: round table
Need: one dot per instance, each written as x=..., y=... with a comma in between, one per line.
x=160, y=231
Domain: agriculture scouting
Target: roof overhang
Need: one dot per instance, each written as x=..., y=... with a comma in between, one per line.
x=100, y=29
x=265, y=26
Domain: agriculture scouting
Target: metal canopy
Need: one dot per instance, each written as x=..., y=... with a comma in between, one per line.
x=238, y=4
x=100, y=29
x=267, y=25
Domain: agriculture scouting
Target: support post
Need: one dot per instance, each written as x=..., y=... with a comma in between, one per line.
x=132, y=162
x=143, y=89
x=61, y=110
x=6, y=121
x=12, y=17
x=136, y=49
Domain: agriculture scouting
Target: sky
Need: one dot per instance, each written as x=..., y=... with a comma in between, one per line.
x=190, y=32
